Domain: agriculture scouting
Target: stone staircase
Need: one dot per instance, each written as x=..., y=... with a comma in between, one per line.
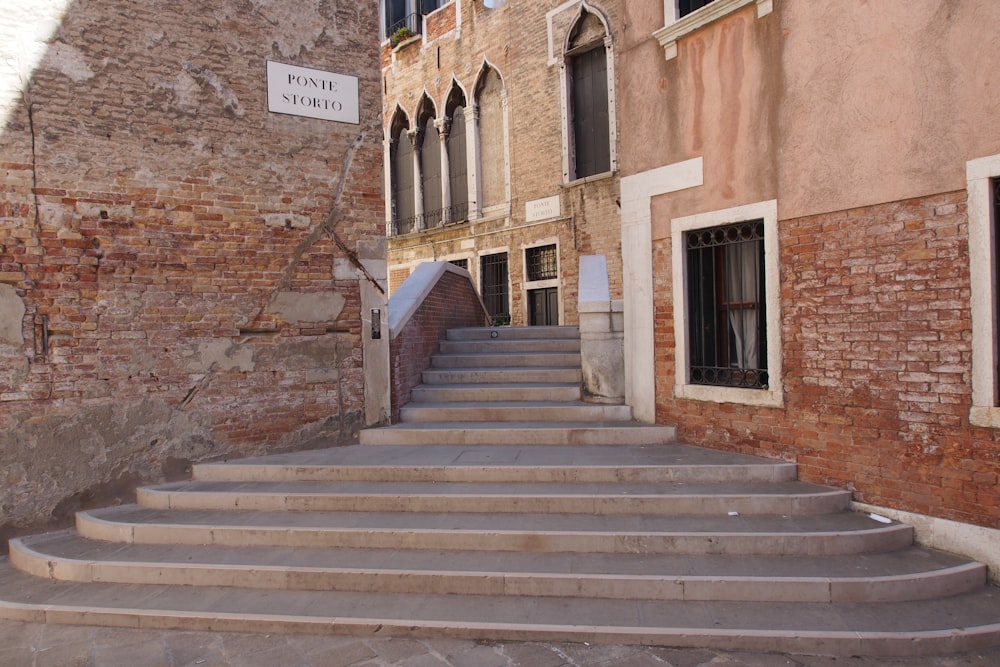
x=504, y=507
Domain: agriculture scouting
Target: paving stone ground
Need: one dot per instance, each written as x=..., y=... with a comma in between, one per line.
x=38, y=645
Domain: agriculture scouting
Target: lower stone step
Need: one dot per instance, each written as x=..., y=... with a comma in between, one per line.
x=958, y=623
x=599, y=464
x=622, y=498
x=513, y=411
x=510, y=391
x=842, y=533
x=907, y=574
x=570, y=375
x=519, y=433
x=538, y=360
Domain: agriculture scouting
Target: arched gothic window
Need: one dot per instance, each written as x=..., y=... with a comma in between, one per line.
x=429, y=145
x=458, y=166
x=401, y=175
x=492, y=147
x=587, y=72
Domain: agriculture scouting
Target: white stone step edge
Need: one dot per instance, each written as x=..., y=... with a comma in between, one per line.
x=834, y=542
x=895, y=588
x=513, y=433
x=243, y=472
x=791, y=504
x=843, y=643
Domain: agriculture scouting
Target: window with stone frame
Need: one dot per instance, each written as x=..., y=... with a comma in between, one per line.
x=541, y=274
x=406, y=15
x=403, y=202
x=429, y=148
x=726, y=300
x=587, y=71
x=727, y=327
x=492, y=142
x=983, y=184
x=458, y=158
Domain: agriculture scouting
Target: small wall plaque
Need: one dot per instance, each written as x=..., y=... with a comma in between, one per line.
x=313, y=93
x=542, y=209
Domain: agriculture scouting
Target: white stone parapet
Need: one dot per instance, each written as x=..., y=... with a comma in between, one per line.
x=602, y=329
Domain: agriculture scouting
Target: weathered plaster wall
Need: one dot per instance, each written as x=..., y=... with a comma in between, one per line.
x=833, y=108
x=181, y=271
x=884, y=102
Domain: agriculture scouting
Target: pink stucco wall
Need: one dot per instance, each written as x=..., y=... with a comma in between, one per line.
x=824, y=106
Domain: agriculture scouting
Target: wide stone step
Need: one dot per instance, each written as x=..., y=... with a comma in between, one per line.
x=507, y=360
x=519, y=433
x=514, y=333
x=659, y=464
x=513, y=411
x=907, y=574
x=788, y=498
x=510, y=391
x=842, y=533
x=957, y=623
x=501, y=346
x=538, y=374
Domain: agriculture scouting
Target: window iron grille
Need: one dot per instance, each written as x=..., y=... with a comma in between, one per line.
x=726, y=318
x=542, y=263
x=494, y=279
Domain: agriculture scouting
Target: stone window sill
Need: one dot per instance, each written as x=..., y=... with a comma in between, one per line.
x=762, y=398
x=668, y=35
x=604, y=175
x=986, y=417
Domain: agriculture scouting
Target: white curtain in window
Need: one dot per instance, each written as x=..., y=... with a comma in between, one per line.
x=741, y=294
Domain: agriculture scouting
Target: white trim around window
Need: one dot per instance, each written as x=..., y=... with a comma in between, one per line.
x=773, y=395
x=983, y=281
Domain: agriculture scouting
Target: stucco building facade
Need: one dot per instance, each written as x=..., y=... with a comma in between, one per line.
x=187, y=271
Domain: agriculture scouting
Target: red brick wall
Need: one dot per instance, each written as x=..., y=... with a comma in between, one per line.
x=452, y=303
x=153, y=213
x=877, y=362
x=441, y=22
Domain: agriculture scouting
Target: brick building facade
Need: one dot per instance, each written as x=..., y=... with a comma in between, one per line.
x=183, y=274
x=501, y=146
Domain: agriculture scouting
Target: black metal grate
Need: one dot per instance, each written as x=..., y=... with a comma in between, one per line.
x=542, y=263
x=494, y=274
x=726, y=318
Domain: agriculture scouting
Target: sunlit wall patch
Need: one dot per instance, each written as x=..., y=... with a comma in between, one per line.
x=25, y=36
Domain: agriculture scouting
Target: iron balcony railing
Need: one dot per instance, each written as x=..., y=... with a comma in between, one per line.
x=442, y=216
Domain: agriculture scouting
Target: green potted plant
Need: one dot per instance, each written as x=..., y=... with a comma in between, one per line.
x=403, y=33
